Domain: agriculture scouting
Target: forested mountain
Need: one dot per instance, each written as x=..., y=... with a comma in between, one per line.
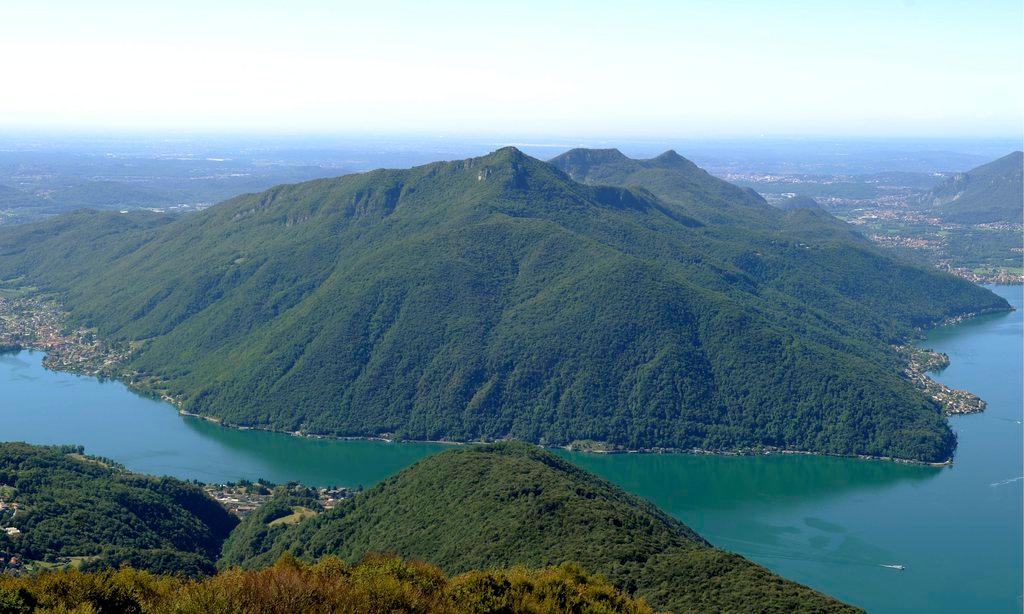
x=514, y=504
x=67, y=505
x=497, y=297
x=993, y=192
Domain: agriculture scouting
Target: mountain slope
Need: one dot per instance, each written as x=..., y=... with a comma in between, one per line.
x=800, y=202
x=670, y=177
x=760, y=239
x=993, y=192
x=496, y=297
x=513, y=504
x=71, y=505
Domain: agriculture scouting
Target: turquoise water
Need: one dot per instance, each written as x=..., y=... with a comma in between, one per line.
x=827, y=522
x=48, y=407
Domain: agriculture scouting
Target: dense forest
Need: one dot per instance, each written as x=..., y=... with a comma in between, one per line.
x=498, y=297
x=69, y=506
x=513, y=504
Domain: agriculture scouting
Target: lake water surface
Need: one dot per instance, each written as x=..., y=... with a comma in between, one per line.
x=827, y=522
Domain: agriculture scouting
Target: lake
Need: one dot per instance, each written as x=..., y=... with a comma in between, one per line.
x=827, y=522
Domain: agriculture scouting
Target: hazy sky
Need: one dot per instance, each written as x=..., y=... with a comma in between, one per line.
x=674, y=68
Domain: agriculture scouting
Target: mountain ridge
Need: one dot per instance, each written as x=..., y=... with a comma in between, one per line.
x=496, y=297
x=992, y=192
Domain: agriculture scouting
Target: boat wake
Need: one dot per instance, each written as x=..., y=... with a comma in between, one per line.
x=1005, y=482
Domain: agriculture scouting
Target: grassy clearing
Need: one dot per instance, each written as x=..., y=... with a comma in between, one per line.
x=298, y=514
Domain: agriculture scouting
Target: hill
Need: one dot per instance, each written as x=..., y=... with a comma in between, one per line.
x=66, y=504
x=993, y=192
x=513, y=504
x=497, y=297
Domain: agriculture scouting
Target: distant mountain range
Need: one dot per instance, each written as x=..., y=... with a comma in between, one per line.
x=993, y=192
x=512, y=504
x=643, y=303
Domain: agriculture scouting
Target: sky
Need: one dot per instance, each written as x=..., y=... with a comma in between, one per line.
x=681, y=68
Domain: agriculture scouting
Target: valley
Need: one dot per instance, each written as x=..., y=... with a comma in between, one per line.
x=965, y=223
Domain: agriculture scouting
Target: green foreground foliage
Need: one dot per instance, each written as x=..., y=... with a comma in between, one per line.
x=512, y=504
x=377, y=584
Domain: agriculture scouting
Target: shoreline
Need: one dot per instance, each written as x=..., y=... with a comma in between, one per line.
x=570, y=447
x=735, y=452
x=741, y=452
x=954, y=320
x=111, y=357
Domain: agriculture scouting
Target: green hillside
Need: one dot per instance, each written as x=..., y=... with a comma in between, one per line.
x=993, y=192
x=71, y=505
x=496, y=297
x=513, y=504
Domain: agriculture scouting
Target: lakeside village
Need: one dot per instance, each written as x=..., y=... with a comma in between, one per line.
x=31, y=323
x=243, y=497
x=919, y=362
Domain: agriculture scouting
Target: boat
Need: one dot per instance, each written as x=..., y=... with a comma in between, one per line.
x=899, y=567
